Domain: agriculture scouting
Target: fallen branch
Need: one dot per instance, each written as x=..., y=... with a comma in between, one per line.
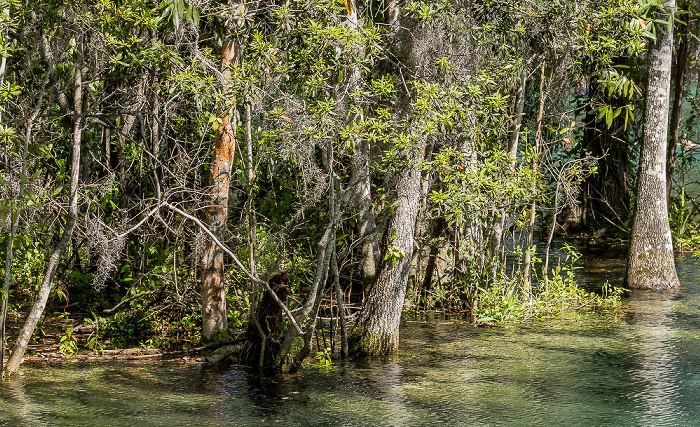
x=131, y=298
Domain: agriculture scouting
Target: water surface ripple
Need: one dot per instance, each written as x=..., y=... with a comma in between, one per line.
x=638, y=368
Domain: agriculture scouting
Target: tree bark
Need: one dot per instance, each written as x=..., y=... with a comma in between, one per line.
x=438, y=227
x=366, y=225
x=214, y=317
x=377, y=329
x=650, y=261
x=514, y=132
x=47, y=283
x=341, y=307
x=679, y=83
x=14, y=221
x=360, y=177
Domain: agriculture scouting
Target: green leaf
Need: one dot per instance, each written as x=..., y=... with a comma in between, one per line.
x=57, y=190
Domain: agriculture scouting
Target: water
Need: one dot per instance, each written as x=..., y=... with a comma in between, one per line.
x=639, y=368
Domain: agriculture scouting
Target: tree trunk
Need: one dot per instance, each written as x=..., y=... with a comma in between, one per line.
x=214, y=316
x=514, y=132
x=438, y=227
x=13, y=220
x=47, y=283
x=360, y=178
x=679, y=83
x=650, y=261
x=377, y=329
x=366, y=225
x=527, y=262
x=608, y=190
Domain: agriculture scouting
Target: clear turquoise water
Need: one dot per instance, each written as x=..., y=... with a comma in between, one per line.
x=639, y=368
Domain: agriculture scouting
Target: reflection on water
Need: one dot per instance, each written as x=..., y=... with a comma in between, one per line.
x=641, y=367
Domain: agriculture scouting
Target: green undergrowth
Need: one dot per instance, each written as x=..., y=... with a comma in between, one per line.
x=508, y=300
x=685, y=225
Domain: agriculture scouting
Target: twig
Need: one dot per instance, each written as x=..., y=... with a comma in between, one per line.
x=238, y=263
x=131, y=298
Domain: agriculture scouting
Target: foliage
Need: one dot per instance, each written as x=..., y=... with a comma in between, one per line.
x=505, y=302
x=309, y=89
x=323, y=358
x=68, y=343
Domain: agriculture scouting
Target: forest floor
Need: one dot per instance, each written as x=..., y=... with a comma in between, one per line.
x=47, y=342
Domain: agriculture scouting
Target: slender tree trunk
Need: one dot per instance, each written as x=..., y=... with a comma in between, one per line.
x=14, y=221
x=252, y=236
x=214, y=316
x=501, y=216
x=326, y=251
x=527, y=268
x=650, y=263
x=341, y=307
x=3, y=61
x=360, y=177
x=438, y=227
x=47, y=283
x=678, y=87
x=514, y=132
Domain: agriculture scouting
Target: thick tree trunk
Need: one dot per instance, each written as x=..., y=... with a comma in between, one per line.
x=47, y=283
x=679, y=83
x=650, y=262
x=214, y=316
x=377, y=329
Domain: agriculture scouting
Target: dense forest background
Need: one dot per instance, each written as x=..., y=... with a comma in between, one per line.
x=271, y=171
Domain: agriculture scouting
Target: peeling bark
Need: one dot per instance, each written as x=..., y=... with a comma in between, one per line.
x=214, y=317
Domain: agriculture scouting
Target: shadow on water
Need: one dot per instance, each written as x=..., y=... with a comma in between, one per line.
x=639, y=366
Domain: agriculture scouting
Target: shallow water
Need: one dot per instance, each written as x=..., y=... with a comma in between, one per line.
x=641, y=367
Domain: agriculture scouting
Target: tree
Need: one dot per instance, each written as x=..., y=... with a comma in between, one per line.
x=650, y=261
x=678, y=89
x=214, y=316
x=47, y=282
